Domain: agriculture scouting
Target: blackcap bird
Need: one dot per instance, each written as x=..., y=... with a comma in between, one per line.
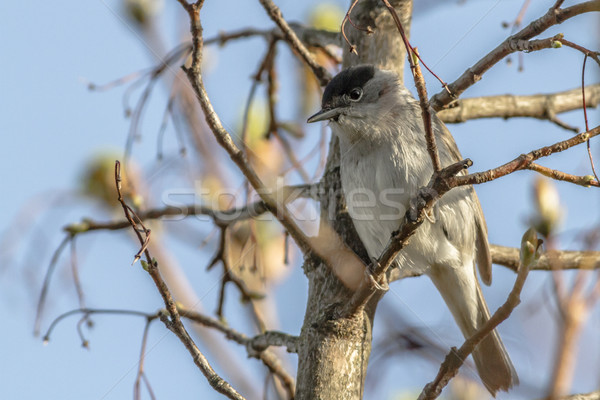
x=383, y=163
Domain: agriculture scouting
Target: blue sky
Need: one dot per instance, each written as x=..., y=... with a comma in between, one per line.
x=52, y=126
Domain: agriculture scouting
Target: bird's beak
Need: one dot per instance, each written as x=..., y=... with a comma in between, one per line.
x=324, y=115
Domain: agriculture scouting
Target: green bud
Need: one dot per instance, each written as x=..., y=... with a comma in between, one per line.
x=529, y=247
x=588, y=179
x=74, y=229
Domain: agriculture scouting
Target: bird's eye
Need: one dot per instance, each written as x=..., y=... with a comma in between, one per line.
x=356, y=94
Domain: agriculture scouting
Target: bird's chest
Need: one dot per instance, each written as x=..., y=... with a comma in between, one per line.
x=377, y=184
x=377, y=191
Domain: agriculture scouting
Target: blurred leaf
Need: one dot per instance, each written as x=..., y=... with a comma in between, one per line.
x=326, y=16
x=142, y=11
x=98, y=180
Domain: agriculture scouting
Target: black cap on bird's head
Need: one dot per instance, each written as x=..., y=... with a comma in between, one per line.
x=345, y=88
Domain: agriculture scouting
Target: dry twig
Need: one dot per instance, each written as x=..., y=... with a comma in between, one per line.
x=172, y=318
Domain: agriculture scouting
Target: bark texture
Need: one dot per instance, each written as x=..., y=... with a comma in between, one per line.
x=333, y=352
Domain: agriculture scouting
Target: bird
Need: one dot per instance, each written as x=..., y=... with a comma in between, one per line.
x=383, y=163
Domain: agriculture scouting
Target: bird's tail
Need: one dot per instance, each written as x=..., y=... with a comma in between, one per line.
x=461, y=292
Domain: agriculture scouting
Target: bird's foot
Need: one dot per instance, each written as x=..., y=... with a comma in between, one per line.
x=382, y=285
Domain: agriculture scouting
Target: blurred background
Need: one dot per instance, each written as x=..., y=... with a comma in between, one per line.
x=74, y=97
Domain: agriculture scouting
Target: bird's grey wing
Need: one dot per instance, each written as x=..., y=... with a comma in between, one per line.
x=445, y=140
x=483, y=257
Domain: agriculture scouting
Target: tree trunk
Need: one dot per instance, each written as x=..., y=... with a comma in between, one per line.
x=333, y=352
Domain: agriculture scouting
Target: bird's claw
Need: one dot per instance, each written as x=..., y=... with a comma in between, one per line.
x=383, y=286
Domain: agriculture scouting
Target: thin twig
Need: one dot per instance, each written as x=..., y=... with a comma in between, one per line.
x=421, y=90
x=141, y=375
x=587, y=128
x=256, y=79
x=426, y=115
x=255, y=346
x=228, y=276
x=136, y=116
x=343, y=27
x=587, y=180
x=87, y=312
x=75, y=273
x=163, y=127
x=551, y=260
x=44, y=293
x=172, y=320
x=219, y=217
x=409, y=49
x=589, y=53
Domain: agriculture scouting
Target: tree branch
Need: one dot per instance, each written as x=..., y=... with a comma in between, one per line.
x=541, y=106
x=549, y=260
x=256, y=346
x=274, y=338
x=581, y=396
x=523, y=161
x=290, y=36
x=554, y=16
x=221, y=218
x=171, y=319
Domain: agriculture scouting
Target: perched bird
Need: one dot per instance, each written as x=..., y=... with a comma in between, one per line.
x=383, y=163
